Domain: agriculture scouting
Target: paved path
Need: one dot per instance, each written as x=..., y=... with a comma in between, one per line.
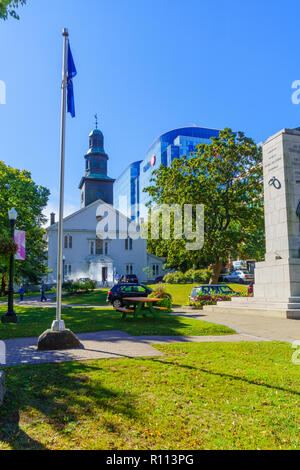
x=275, y=329
x=102, y=345
x=34, y=301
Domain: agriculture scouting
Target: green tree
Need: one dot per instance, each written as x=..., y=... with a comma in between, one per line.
x=8, y=8
x=18, y=190
x=226, y=177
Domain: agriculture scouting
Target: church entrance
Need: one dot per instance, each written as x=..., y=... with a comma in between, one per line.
x=104, y=275
x=101, y=269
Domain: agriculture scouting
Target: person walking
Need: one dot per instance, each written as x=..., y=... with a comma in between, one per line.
x=21, y=292
x=43, y=290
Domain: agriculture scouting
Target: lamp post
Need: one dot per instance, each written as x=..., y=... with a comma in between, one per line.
x=10, y=316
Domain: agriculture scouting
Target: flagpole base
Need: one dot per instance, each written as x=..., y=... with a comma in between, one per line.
x=58, y=340
x=58, y=325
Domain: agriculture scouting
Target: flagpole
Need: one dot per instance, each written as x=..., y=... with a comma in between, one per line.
x=58, y=324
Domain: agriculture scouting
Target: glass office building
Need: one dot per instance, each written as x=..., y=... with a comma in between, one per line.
x=172, y=144
x=127, y=191
x=168, y=146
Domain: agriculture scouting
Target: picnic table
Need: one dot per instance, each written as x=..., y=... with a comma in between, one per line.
x=141, y=305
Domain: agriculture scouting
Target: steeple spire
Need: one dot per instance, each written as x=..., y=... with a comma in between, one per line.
x=96, y=118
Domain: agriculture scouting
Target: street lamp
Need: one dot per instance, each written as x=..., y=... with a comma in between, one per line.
x=10, y=316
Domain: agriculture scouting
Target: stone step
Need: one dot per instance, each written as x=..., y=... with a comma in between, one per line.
x=246, y=310
x=256, y=303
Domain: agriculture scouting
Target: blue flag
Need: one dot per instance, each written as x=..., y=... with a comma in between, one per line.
x=72, y=72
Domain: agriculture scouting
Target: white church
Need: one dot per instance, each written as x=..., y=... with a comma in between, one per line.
x=92, y=253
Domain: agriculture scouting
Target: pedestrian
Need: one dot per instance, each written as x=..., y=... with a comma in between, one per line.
x=43, y=290
x=21, y=292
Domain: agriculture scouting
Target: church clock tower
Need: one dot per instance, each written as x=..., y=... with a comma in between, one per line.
x=96, y=184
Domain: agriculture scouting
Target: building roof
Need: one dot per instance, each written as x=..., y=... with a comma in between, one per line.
x=194, y=131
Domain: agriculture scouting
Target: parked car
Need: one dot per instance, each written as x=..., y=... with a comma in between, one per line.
x=130, y=278
x=118, y=291
x=211, y=289
x=241, y=277
x=84, y=279
x=251, y=288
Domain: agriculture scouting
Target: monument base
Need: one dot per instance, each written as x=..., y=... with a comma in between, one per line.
x=10, y=319
x=252, y=306
x=2, y=387
x=276, y=291
x=58, y=340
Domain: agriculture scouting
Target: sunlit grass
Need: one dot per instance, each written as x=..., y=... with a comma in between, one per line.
x=33, y=321
x=196, y=396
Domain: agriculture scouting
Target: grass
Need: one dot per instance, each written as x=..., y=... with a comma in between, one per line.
x=33, y=321
x=98, y=297
x=196, y=396
x=180, y=294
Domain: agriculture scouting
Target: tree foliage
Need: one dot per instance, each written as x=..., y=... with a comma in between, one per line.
x=18, y=190
x=8, y=8
x=226, y=177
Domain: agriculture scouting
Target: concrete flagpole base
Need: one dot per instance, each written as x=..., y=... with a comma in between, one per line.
x=52, y=340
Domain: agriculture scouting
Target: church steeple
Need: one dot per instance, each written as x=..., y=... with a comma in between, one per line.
x=96, y=184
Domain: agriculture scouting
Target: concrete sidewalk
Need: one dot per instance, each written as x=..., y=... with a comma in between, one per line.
x=102, y=345
x=274, y=329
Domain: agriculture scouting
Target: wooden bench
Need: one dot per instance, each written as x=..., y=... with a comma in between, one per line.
x=124, y=310
x=161, y=308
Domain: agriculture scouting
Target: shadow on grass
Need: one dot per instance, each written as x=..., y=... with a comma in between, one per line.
x=57, y=397
x=10, y=431
x=228, y=376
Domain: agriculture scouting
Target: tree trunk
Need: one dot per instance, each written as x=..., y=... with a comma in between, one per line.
x=217, y=269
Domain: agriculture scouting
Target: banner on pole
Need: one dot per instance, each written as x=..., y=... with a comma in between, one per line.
x=20, y=239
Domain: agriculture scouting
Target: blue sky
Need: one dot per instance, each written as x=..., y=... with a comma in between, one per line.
x=146, y=66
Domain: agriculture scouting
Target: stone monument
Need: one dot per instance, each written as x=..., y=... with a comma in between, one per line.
x=277, y=279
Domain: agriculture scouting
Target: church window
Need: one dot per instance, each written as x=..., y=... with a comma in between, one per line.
x=67, y=270
x=68, y=242
x=99, y=247
x=128, y=244
x=129, y=269
x=106, y=248
x=94, y=164
x=155, y=269
x=92, y=248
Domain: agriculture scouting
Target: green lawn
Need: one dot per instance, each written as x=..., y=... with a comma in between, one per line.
x=181, y=292
x=98, y=297
x=33, y=321
x=196, y=396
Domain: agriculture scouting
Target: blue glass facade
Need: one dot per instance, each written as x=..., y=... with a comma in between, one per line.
x=163, y=151
x=168, y=146
x=127, y=185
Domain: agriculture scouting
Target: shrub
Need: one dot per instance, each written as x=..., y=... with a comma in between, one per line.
x=77, y=287
x=207, y=299
x=200, y=276
x=161, y=293
x=174, y=278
